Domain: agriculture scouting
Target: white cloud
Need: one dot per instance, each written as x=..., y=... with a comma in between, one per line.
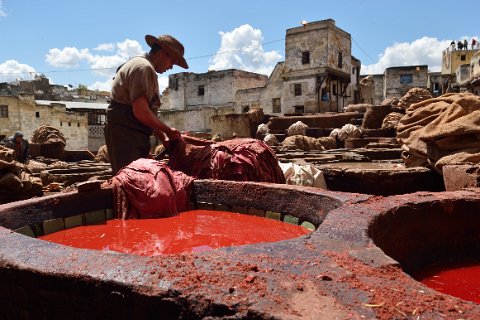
x=242, y=49
x=424, y=51
x=2, y=12
x=104, y=47
x=129, y=48
x=101, y=86
x=105, y=65
x=12, y=70
x=102, y=65
x=67, y=57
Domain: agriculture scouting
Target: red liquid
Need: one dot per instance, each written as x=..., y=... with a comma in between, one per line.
x=191, y=231
x=461, y=281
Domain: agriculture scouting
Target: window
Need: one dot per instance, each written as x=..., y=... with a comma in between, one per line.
x=201, y=90
x=298, y=89
x=69, y=124
x=334, y=88
x=61, y=123
x=78, y=124
x=306, y=57
x=463, y=57
x=37, y=114
x=3, y=111
x=436, y=87
x=340, y=60
x=174, y=84
x=406, y=78
x=276, y=106
x=299, y=109
x=353, y=70
x=96, y=118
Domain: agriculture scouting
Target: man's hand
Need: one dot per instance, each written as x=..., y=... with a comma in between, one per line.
x=173, y=134
x=167, y=136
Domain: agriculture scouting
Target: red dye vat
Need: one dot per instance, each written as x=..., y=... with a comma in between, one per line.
x=191, y=231
x=459, y=280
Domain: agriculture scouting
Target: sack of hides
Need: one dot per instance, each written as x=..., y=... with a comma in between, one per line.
x=262, y=129
x=303, y=175
x=441, y=130
x=270, y=140
x=48, y=134
x=390, y=101
x=391, y=120
x=7, y=154
x=147, y=189
x=241, y=159
x=348, y=131
x=298, y=128
x=300, y=142
x=255, y=114
x=16, y=183
x=412, y=96
x=102, y=154
x=360, y=107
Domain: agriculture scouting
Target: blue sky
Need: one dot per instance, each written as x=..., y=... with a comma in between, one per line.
x=83, y=42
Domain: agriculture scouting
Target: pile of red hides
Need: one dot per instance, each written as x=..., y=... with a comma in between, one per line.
x=147, y=188
x=242, y=159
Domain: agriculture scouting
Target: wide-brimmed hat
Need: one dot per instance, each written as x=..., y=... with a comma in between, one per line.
x=173, y=46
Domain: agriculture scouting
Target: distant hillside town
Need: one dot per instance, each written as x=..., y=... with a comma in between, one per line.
x=319, y=75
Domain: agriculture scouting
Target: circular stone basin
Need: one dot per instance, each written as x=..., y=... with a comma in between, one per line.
x=191, y=231
x=337, y=271
x=434, y=241
x=379, y=178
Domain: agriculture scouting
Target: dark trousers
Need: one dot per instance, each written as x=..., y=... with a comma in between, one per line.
x=127, y=139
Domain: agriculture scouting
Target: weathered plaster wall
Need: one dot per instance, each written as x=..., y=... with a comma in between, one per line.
x=219, y=88
x=226, y=125
x=329, y=50
x=22, y=116
x=393, y=86
x=379, y=80
x=192, y=120
x=463, y=73
x=475, y=65
x=451, y=60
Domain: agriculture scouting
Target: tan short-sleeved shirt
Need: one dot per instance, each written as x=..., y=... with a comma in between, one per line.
x=136, y=78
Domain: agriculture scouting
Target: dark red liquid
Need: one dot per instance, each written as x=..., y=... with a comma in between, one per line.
x=462, y=281
x=191, y=231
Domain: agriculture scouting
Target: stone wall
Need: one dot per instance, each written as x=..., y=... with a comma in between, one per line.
x=192, y=120
x=219, y=88
x=263, y=96
x=394, y=88
x=329, y=53
x=463, y=73
x=226, y=125
x=26, y=116
x=475, y=65
x=451, y=60
x=379, y=81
